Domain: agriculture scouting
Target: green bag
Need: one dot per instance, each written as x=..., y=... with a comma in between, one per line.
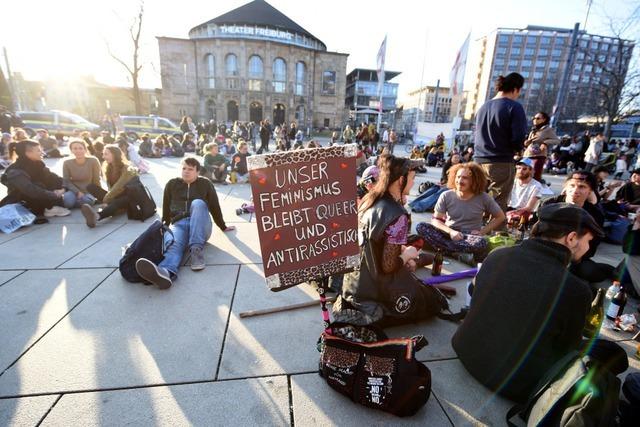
x=500, y=240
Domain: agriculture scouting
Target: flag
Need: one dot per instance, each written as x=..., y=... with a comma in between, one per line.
x=380, y=67
x=457, y=72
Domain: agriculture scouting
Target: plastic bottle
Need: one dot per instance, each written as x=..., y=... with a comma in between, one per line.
x=611, y=292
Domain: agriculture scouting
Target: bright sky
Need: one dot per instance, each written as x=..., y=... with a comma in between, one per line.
x=62, y=39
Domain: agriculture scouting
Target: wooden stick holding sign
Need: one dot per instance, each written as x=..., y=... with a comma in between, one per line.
x=306, y=212
x=253, y=313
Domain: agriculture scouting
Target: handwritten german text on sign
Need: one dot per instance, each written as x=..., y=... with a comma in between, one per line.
x=305, y=204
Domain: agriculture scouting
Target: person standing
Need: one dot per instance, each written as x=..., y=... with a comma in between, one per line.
x=265, y=134
x=347, y=135
x=501, y=128
x=592, y=155
x=541, y=137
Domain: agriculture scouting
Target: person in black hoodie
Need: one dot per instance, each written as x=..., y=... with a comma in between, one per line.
x=30, y=182
x=186, y=205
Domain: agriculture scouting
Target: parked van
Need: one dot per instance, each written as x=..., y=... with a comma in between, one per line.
x=56, y=121
x=136, y=126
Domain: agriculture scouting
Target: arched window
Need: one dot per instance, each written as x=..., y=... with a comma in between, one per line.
x=279, y=75
x=231, y=62
x=256, y=69
x=301, y=71
x=210, y=64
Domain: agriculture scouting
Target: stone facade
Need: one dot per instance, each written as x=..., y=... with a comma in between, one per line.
x=189, y=88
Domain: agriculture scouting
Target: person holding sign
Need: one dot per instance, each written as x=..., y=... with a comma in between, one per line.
x=384, y=291
x=186, y=205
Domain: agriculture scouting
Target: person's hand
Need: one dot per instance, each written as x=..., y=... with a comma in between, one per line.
x=229, y=228
x=59, y=192
x=409, y=253
x=80, y=194
x=456, y=235
x=411, y=265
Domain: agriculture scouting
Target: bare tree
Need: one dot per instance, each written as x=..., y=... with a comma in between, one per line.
x=616, y=91
x=135, y=30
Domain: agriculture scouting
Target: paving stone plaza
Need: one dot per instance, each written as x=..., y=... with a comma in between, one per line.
x=81, y=346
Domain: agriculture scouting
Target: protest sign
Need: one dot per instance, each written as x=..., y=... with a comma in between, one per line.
x=306, y=211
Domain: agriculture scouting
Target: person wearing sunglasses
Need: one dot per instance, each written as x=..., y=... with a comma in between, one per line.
x=540, y=138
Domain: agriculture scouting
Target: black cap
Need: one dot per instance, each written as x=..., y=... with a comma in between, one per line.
x=570, y=216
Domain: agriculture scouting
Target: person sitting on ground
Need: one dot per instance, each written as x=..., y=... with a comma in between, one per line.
x=186, y=205
x=49, y=145
x=31, y=183
x=228, y=149
x=527, y=311
x=373, y=293
x=526, y=192
x=117, y=173
x=5, y=141
x=427, y=200
x=555, y=165
x=79, y=172
x=215, y=164
x=457, y=223
x=146, y=147
x=576, y=191
x=629, y=193
x=20, y=135
x=188, y=143
x=239, y=167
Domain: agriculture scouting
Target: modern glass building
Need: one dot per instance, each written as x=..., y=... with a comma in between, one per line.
x=362, y=98
x=541, y=54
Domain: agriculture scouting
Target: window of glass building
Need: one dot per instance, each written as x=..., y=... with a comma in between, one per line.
x=301, y=71
x=513, y=63
x=256, y=67
x=605, y=46
x=501, y=51
x=556, y=53
x=503, y=39
x=329, y=83
x=529, y=51
x=279, y=75
x=209, y=61
x=255, y=85
x=537, y=74
x=531, y=39
x=584, y=43
x=554, y=64
x=595, y=45
x=517, y=39
x=231, y=62
x=515, y=51
x=526, y=62
x=545, y=40
x=543, y=52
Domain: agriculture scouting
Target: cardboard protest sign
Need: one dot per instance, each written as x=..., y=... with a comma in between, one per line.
x=305, y=207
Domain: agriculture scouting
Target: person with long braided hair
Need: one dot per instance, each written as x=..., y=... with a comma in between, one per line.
x=384, y=291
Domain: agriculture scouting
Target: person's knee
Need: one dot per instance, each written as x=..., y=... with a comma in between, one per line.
x=69, y=200
x=198, y=204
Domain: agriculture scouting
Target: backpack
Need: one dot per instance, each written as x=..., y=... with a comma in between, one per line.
x=150, y=245
x=141, y=204
x=576, y=392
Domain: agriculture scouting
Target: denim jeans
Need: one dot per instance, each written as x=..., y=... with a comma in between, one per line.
x=71, y=200
x=194, y=230
x=428, y=199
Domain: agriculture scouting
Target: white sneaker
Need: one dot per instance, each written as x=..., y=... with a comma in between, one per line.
x=56, y=211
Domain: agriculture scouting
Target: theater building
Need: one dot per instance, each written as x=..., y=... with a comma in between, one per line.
x=249, y=64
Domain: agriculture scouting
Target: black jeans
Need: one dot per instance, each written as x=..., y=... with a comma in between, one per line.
x=119, y=203
x=592, y=272
x=37, y=206
x=608, y=353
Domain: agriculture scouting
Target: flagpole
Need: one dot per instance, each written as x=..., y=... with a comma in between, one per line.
x=381, y=79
